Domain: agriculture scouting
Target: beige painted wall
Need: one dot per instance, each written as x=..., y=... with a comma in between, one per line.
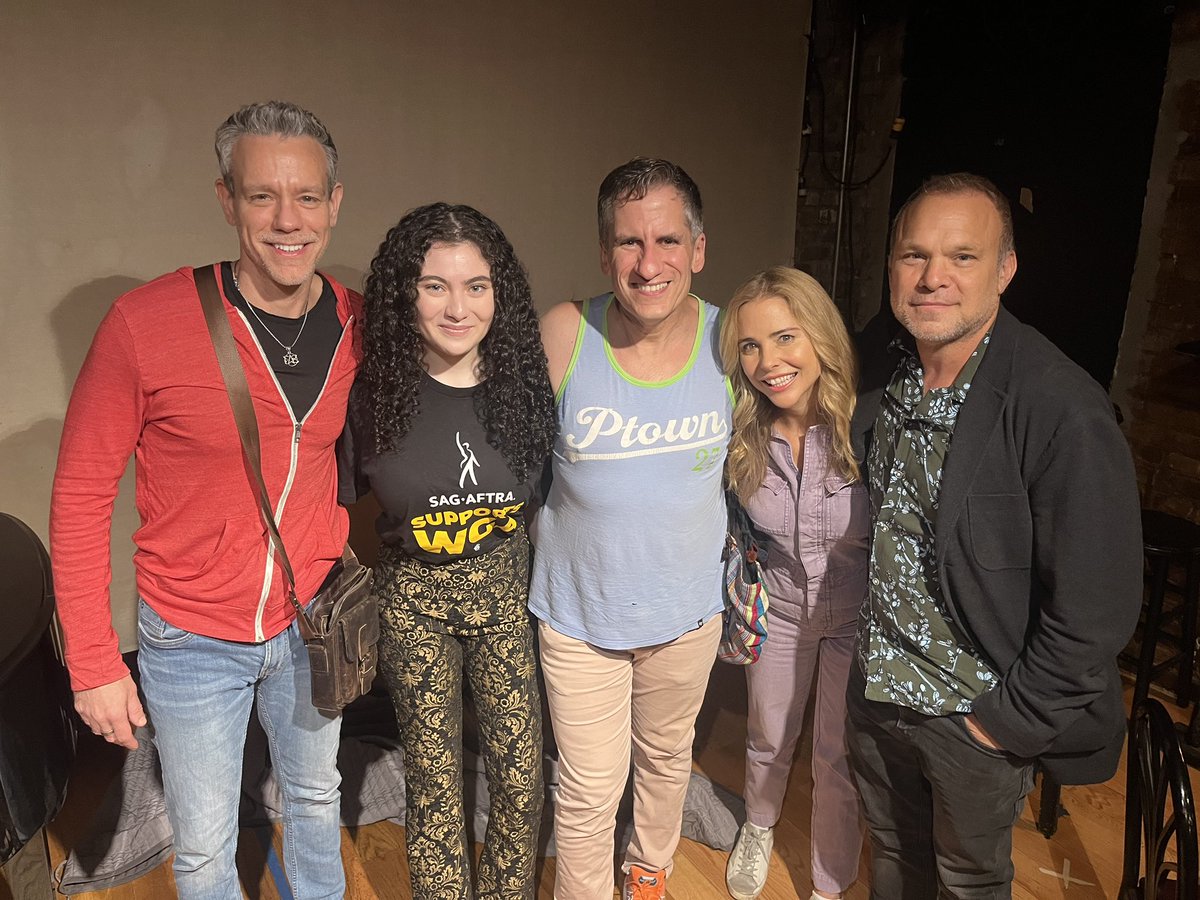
x=106, y=167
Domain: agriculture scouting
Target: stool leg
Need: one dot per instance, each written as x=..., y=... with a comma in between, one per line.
x=1158, y=587
x=1187, y=631
x=1051, y=807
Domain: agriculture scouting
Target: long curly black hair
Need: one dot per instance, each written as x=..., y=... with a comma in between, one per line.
x=514, y=401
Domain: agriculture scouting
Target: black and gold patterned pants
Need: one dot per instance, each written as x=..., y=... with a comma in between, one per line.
x=423, y=658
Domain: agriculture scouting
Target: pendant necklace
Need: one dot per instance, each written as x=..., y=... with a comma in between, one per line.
x=290, y=359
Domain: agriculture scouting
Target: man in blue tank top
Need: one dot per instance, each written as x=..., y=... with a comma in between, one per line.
x=627, y=574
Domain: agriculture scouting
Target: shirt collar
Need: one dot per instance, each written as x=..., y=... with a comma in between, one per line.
x=904, y=343
x=907, y=384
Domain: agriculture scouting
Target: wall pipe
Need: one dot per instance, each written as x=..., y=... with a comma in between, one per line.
x=851, y=86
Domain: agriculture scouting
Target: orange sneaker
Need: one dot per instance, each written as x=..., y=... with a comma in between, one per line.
x=645, y=884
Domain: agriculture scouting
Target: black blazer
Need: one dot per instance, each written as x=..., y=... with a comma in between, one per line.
x=1038, y=544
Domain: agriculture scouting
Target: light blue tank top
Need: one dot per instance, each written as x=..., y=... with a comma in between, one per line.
x=628, y=544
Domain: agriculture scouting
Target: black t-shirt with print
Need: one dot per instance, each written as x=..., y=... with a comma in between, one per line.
x=446, y=493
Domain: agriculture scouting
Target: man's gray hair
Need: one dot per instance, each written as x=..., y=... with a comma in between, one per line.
x=635, y=179
x=273, y=118
x=963, y=183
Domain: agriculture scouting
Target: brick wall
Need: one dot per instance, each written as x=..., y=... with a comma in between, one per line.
x=1156, y=386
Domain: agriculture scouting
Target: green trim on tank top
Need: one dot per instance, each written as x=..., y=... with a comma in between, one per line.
x=579, y=332
x=637, y=382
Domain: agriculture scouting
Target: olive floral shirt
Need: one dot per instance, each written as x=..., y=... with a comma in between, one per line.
x=911, y=653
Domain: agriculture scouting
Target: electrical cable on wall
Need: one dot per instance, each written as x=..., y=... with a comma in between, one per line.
x=816, y=115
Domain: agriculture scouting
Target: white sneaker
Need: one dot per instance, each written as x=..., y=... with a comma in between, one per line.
x=746, y=874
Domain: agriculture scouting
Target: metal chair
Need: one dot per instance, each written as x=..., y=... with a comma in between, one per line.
x=1159, y=812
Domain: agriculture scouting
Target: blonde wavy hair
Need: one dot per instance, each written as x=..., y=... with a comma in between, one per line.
x=836, y=388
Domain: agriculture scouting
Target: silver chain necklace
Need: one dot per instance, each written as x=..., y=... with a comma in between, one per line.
x=289, y=358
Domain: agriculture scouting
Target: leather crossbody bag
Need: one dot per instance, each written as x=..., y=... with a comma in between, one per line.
x=340, y=628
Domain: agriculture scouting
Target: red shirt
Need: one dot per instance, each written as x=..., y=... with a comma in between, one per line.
x=151, y=387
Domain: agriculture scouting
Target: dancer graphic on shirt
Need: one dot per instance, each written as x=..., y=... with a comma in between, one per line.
x=469, y=461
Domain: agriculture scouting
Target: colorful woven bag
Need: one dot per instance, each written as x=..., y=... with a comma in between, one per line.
x=744, y=622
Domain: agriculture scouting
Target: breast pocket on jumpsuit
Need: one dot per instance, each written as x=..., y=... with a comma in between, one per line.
x=847, y=521
x=770, y=507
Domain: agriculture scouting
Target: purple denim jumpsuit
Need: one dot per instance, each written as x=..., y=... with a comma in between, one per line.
x=817, y=524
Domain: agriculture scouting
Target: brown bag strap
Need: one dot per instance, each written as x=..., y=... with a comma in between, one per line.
x=243, y=414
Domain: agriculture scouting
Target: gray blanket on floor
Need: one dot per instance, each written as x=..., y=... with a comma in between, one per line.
x=130, y=834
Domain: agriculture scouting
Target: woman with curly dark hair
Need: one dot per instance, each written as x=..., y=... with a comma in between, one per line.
x=449, y=424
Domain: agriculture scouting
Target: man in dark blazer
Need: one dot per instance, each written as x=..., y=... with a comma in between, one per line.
x=1005, y=562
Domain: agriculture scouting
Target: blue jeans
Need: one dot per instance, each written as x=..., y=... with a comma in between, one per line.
x=199, y=692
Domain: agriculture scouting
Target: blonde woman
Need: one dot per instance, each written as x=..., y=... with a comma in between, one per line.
x=790, y=463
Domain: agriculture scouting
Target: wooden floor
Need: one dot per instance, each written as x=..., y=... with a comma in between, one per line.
x=1081, y=862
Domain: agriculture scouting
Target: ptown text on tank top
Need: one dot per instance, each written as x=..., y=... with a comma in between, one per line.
x=637, y=438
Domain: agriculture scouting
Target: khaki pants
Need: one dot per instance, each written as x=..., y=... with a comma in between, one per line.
x=605, y=704
x=26, y=875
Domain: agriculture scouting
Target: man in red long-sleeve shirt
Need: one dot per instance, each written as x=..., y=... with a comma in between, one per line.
x=215, y=628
